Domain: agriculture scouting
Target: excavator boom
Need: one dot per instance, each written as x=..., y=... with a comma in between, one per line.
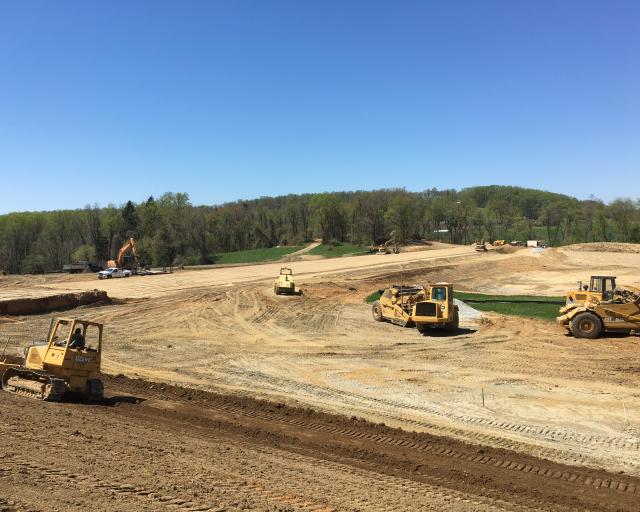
x=129, y=246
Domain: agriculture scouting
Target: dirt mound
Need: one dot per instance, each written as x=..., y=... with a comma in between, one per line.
x=604, y=247
x=33, y=306
x=174, y=448
x=507, y=249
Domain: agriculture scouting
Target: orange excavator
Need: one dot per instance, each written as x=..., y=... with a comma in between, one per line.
x=129, y=246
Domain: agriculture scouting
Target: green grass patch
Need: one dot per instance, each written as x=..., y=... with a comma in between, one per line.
x=533, y=306
x=337, y=251
x=528, y=298
x=532, y=310
x=373, y=297
x=254, y=255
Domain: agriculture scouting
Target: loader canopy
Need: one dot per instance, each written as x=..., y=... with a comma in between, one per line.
x=603, y=284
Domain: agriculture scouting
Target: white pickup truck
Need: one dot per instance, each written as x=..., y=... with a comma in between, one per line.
x=113, y=272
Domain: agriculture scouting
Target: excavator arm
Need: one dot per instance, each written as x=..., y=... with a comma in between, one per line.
x=129, y=246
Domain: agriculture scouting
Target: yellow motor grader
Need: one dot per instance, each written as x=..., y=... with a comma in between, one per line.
x=67, y=362
x=601, y=306
x=425, y=307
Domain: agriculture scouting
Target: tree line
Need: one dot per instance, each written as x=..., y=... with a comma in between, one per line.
x=171, y=231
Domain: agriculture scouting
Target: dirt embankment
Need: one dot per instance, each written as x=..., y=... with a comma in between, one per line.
x=59, y=302
x=159, y=447
x=604, y=247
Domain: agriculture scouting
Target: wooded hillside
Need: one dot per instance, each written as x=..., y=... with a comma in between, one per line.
x=170, y=230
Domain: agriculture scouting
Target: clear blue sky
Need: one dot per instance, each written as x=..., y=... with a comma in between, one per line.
x=109, y=101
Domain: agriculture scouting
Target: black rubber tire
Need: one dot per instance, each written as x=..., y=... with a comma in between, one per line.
x=454, y=325
x=376, y=311
x=586, y=325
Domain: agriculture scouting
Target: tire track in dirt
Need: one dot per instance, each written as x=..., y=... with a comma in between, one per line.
x=406, y=490
x=536, y=433
x=235, y=485
x=415, y=443
x=577, y=478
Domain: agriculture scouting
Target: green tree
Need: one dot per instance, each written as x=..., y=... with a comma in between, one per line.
x=402, y=216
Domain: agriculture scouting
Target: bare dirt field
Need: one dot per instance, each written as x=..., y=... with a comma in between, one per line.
x=560, y=428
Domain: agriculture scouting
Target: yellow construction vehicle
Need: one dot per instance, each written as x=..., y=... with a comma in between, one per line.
x=129, y=247
x=424, y=307
x=388, y=247
x=284, y=284
x=601, y=306
x=499, y=243
x=481, y=246
x=68, y=362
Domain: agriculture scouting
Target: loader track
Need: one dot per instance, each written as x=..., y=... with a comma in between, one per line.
x=17, y=380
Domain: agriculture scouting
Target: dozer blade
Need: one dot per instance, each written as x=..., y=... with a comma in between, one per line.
x=33, y=384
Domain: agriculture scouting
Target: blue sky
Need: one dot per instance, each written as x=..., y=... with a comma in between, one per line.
x=108, y=101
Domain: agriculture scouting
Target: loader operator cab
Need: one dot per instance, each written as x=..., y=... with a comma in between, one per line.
x=76, y=335
x=603, y=285
x=439, y=293
x=599, y=289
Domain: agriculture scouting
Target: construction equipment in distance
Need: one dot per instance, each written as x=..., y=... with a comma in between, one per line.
x=54, y=368
x=81, y=266
x=388, y=247
x=480, y=246
x=284, y=285
x=601, y=306
x=130, y=246
x=423, y=306
x=499, y=243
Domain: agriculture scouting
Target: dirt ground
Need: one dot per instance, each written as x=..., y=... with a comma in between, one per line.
x=156, y=447
x=550, y=401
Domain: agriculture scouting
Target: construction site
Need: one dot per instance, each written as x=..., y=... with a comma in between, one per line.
x=227, y=390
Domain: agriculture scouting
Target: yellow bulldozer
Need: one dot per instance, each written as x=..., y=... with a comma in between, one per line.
x=424, y=307
x=601, y=306
x=67, y=362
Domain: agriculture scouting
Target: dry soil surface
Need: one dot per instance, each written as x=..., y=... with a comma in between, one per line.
x=573, y=404
x=155, y=447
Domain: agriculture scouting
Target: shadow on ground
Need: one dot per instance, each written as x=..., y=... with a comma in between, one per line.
x=443, y=333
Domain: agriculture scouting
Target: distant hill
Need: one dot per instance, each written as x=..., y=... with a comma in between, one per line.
x=170, y=230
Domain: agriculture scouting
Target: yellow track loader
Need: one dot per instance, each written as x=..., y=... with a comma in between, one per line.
x=424, y=307
x=68, y=362
x=601, y=306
